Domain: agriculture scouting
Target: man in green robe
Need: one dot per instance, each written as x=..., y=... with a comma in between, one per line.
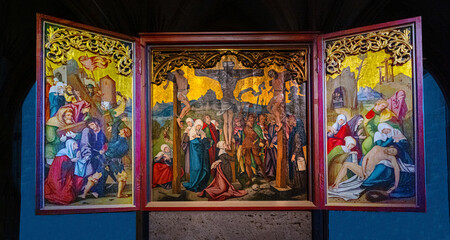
x=380, y=113
x=260, y=129
x=338, y=156
x=62, y=118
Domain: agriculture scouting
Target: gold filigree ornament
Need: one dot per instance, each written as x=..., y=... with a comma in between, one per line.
x=395, y=42
x=61, y=40
x=294, y=61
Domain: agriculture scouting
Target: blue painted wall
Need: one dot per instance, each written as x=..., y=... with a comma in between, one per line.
x=75, y=226
x=434, y=224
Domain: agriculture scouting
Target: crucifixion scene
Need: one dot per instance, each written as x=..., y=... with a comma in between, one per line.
x=229, y=131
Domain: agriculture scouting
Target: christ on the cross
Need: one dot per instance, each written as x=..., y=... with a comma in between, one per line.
x=228, y=78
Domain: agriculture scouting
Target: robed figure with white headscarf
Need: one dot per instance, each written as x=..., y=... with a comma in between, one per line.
x=334, y=129
x=338, y=156
x=163, y=169
x=59, y=184
x=382, y=176
x=185, y=144
x=353, y=128
x=221, y=188
x=198, y=158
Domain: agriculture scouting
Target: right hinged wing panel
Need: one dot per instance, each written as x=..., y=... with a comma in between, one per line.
x=372, y=133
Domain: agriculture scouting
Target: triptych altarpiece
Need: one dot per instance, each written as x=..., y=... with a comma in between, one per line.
x=229, y=121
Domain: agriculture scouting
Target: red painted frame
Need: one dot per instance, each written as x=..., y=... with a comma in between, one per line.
x=418, y=103
x=205, y=40
x=40, y=111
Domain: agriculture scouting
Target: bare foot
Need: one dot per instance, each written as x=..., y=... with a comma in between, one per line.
x=180, y=124
x=334, y=186
x=83, y=196
x=277, y=128
x=94, y=194
x=248, y=183
x=123, y=195
x=228, y=147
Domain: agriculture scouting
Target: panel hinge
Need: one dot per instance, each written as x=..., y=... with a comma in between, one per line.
x=140, y=67
x=321, y=181
x=317, y=65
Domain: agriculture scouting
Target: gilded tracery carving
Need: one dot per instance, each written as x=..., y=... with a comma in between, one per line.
x=396, y=42
x=60, y=40
x=164, y=62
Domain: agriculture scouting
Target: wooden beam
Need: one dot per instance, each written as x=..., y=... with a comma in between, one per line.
x=281, y=160
x=176, y=182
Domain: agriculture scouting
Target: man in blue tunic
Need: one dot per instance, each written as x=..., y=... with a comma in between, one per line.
x=93, y=147
x=117, y=149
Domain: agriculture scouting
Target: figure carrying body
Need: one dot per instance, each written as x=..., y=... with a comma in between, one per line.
x=177, y=77
x=228, y=78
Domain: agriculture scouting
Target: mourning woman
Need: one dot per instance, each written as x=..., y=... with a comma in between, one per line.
x=352, y=128
x=334, y=129
x=383, y=176
x=198, y=158
x=163, y=169
x=338, y=156
x=59, y=184
x=185, y=144
x=221, y=188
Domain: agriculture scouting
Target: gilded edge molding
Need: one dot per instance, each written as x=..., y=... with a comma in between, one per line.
x=167, y=61
x=396, y=42
x=61, y=40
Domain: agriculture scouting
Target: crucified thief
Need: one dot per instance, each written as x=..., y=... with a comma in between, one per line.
x=276, y=105
x=177, y=77
x=228, y=78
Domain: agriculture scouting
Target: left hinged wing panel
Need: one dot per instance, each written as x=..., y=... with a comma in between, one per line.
x=87, y=139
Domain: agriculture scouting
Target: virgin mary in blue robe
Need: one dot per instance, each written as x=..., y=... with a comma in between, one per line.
x=382, y=176
x=198, y=159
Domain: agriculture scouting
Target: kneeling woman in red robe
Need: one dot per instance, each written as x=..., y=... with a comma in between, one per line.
x=162, y=169
x=221, y=188
x=352, y=128
x=59, y=187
